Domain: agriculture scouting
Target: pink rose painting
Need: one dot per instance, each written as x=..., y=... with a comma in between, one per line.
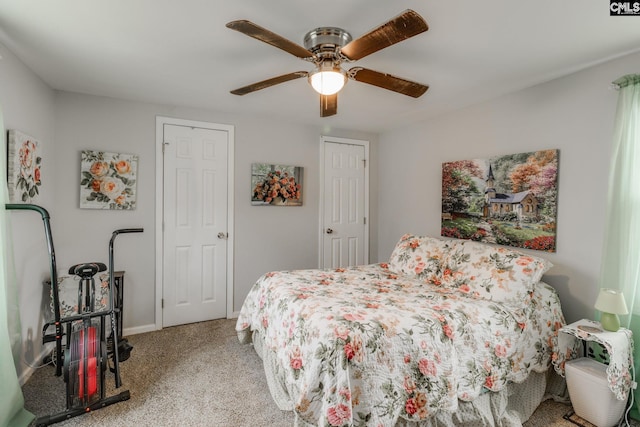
x=24, y=168
x=108, y=180
x=276, y=185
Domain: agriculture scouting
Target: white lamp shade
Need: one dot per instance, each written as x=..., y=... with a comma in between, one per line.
x=327, y=79
x=611, y=301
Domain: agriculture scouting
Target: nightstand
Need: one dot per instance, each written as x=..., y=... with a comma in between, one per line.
x=589, y=382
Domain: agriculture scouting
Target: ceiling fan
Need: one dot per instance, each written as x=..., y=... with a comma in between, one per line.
x=328, y=47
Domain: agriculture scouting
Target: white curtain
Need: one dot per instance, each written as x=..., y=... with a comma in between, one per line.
x=12, y=412
x=621, y=251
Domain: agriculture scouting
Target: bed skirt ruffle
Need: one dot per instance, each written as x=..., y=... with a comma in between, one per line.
x=508, y=408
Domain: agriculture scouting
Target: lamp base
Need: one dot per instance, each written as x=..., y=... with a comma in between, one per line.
x=610, y=322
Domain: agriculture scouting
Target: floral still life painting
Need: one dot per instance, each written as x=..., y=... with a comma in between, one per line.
x=509, y=200
x=276, y=185
x=24, y=167
x=108, y=180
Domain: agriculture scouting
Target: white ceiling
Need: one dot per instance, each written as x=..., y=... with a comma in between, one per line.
x=179, y=52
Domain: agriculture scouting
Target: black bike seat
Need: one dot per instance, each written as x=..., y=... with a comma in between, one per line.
x=87, y=270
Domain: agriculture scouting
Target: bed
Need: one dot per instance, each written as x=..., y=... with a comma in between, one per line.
x=448, y=332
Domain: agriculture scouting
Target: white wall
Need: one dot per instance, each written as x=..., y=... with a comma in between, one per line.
x=28, y=105
x=574, y=114
x=266, y=238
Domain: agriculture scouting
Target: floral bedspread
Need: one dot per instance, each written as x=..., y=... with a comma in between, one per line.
x=366, y=346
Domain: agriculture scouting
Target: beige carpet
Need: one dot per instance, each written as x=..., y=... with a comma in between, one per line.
x=194, y=375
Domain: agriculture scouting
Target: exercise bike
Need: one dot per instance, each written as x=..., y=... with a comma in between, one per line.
x=87, y=350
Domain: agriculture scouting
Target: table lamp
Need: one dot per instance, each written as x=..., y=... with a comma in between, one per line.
x=611, y=303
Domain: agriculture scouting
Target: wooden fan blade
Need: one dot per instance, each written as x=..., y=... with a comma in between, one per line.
x=403, y=26
x=269, y=82
x=328, y=105
x=264, y=35
x=387, y=81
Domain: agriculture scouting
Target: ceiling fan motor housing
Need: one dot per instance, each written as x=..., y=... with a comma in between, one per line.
x=324, y=41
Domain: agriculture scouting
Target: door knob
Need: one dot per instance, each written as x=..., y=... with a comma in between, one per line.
x=329, y=231
x=222, y=235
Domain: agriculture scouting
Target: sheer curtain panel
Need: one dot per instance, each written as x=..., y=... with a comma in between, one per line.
x=12, y=412
x=621, y=251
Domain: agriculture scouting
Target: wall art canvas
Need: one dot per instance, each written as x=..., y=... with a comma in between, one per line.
x=276, y=185
x=24, y=167
x=108, y=180
x=509, y=200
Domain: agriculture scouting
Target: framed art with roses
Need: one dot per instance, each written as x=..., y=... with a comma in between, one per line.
x=24, y=167
x=108, y=180
x=276, y=185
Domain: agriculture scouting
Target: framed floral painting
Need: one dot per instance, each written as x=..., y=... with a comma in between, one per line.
x=24, y=167
x=276, y=185
x=108, y=180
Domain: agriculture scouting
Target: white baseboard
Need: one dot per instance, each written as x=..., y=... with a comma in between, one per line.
x=152, y=327
x=28, y=370
x=139, y=330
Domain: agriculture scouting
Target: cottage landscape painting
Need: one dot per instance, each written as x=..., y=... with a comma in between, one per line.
x=509, y=200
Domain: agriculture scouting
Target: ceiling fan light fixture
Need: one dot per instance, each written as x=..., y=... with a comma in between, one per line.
x=327, y=79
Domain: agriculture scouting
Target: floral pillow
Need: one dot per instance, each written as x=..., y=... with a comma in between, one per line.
x=492, y=272
x=420, y=256
x=68, y=293
x=478, y=270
